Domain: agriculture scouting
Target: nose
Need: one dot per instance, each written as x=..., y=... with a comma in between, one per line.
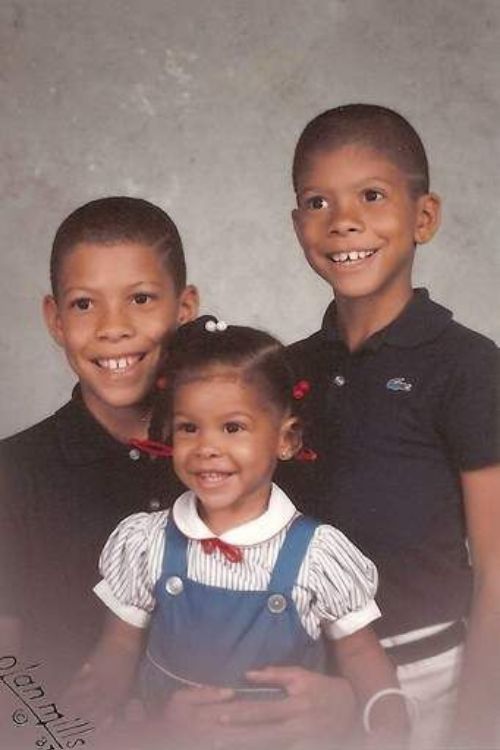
x=114, y=323
x=208, y=446
x=345, y=219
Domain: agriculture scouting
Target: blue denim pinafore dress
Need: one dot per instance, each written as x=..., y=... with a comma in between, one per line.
x=203, y=634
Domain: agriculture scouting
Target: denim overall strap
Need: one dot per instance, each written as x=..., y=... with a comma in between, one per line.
x=292, y=554
x=175, y=555
x=205, y=634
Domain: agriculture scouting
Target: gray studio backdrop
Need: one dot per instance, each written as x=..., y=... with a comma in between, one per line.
x=196, y=105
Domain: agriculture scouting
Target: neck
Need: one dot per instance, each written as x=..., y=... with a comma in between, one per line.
x=123, y=423
x=125, y=427
x=225, y=519
x=358, y=319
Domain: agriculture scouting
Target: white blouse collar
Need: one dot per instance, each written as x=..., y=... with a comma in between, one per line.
x=278, y=514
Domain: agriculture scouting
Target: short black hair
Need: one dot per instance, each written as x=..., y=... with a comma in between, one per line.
x=115, y=219
x=370, y=125
x=193, y=350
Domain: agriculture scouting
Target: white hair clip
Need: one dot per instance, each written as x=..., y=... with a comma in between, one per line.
x=212, y=325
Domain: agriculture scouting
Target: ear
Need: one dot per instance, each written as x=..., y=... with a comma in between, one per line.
x=296, y=223
x=52, y=319
x=290, y=440
x=189, y=303
x=428, y=217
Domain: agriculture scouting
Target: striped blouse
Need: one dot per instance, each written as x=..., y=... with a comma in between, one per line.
x=335, y=588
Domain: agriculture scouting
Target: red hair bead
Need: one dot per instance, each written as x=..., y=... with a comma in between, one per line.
x=306, y=454
x=301, y=389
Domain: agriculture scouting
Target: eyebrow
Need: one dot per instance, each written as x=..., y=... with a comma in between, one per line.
x=84, y=289
x=226, y=417
x=373, y=178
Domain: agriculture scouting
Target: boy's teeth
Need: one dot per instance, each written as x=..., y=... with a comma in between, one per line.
x=117, y=364
x=351, y=255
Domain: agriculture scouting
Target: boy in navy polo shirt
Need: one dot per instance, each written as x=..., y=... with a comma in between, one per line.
x=118, y=277
x=402, y=411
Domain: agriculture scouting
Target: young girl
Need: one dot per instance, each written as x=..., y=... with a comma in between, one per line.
x=234, y=578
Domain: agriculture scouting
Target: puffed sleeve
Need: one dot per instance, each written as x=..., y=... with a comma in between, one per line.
x=130, y=565
x=343, y=583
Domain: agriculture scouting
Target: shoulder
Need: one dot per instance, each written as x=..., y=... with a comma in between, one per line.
x=449, y=352
x=335, y=564
x=29, y=448
x=30, y=437
x=133, y=538
x=449, y=336
x=140, y=527
x=471, y=359
x=468, y=343
x=331, y=542
x=310, y=344
x=333, y=558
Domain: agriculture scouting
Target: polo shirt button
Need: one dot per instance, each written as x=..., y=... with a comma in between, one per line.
x=134, y=454
x=339, y=380
x=154, y=504
x=276, y=604
x=174, y=585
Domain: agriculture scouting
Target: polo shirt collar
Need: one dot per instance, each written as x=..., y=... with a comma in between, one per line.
x=278, y=514
x=421, y=321
x=82, y=439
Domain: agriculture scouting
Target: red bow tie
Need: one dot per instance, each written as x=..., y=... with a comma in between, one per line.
x=230, y=552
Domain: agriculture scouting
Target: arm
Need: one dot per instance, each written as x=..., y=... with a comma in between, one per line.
x=104, y=681
x=479, y=691
x=126, y=588
x=361, y=660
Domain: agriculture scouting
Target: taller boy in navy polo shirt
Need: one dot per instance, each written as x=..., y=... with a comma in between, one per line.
x=403, y=413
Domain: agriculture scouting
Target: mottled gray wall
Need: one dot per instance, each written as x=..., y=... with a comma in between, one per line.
x=197, y=105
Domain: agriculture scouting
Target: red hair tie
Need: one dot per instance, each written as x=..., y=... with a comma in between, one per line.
x=230, y=552
x=306, y=454
x=301, y=389
x=161, y=383
x=152, y=448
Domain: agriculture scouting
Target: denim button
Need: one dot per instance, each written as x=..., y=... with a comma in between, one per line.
x=174, y=585
x=339, y=380
x=134, y=454
x=276, y=603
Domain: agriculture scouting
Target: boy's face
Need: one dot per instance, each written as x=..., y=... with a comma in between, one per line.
x=115, y=305
x=358, y=223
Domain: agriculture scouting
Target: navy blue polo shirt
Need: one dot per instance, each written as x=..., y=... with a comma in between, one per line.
x=65, y=484
x=393, y=425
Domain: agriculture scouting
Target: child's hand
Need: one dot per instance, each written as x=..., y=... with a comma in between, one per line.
x=317, y=711
x=86, y=697
x=187, y=725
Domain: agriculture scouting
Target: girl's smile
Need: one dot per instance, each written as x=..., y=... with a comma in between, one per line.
x=227, y=440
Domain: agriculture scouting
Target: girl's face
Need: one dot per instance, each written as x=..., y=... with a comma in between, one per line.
x=227, y=440
x=115, y=305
